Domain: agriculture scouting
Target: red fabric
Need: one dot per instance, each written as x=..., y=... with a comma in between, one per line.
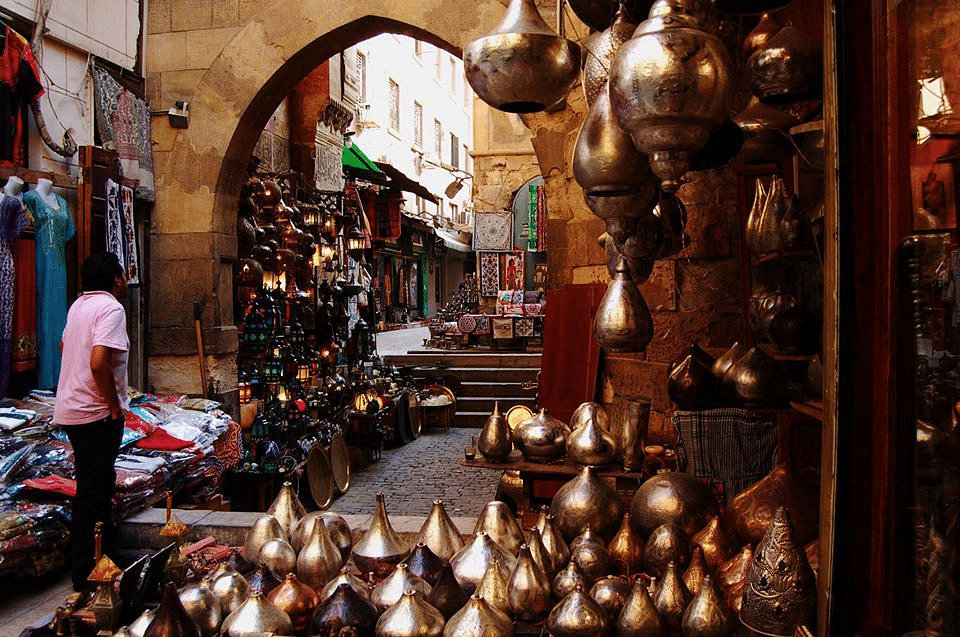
x=389, y=217
x=24, y=307
x=162, y=441
x=55, y=484
x=134, y=422
x=227, y=446
x=18, y=70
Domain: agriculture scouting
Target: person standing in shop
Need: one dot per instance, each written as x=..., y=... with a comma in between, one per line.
x=91, y=399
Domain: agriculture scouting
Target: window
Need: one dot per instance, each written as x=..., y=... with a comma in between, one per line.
x=362, y=72
x=454, y=151
x=418, y=49
x=453, y=78
x=438, y=66
x=438, y=139
x=440, y=209
x=418, y=124
x=454, y=213
x=466, y=158
x=467, y=91
x=394, y=106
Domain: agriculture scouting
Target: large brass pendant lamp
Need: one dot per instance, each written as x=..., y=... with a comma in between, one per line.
x=522, y=66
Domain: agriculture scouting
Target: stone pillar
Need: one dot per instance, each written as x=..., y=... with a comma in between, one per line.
x=306, y=101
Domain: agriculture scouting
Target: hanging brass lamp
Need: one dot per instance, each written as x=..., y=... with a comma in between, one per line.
x=623, y=322
x=599, y=51
x=670, y=87
x=522, y=66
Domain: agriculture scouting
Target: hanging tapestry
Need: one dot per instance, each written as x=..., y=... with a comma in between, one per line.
x=114, y=238
x=389, y=217
x=123, y=121
x=533, y=200
x=19, y=85
x=511, y=271
x=493, y=231
x=489, y=273
x=523, y=327
x=129, y=237
x=541, y=219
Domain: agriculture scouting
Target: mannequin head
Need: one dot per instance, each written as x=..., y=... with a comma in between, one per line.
x=14, y=186
x=44, y=186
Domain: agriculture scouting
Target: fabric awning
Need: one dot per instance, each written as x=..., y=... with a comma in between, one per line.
x=453, y=240
x=401, y=181
x=357, y=164
x=354, y=159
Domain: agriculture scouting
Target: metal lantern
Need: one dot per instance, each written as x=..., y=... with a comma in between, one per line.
x=356, y=241
x=522, y=66
x=670, y=88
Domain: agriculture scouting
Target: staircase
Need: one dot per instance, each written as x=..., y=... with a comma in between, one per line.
x=484, y=378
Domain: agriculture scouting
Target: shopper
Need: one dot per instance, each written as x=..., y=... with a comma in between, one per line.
x=91, y=398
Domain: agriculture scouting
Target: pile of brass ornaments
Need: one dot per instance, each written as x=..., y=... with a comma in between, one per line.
x=741, y=377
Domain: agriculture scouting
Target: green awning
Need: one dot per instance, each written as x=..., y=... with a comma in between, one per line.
x=354, y=158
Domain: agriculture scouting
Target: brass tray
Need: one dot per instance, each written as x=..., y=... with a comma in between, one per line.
x=320, y=477
x=340, y=462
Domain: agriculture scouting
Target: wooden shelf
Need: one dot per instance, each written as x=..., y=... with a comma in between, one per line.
x=790, y=254
x=811, y=408
x=815, y=126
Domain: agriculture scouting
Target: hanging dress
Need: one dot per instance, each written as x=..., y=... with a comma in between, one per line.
x=54, y=229
x=12, y=222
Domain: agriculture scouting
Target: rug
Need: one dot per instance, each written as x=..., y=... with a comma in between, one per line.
x=489, y=274
x=493, y=230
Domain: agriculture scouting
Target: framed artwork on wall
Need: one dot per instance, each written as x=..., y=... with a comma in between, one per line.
x=934, y=191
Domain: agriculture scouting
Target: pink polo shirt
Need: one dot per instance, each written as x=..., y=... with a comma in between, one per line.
x=96, y=318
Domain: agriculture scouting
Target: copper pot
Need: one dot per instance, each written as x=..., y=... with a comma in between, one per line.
x=297, y=600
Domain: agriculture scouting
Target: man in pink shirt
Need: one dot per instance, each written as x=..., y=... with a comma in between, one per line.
x=91, y=398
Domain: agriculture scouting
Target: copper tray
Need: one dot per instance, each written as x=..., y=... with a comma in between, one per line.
x=340, y=462
x=320, y=477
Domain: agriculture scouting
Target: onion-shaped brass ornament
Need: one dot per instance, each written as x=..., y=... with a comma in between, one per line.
x=590, y=442
x=447, y=596
x=726, y=360
x=732, y=578
x=303, y=529
x=764, y=137
x=390, y=590
x=496, y=438
x=522, y=66
x=440, y=533
x=139, y=626
x=788, y=69
x=639, y=617
x=626, y=548
x=287, y=508
x=472, y=561
x=760, y=36
x=567, y=581
x=297, y=600
x=255, y=617
x=541, y=438
x=279, y=557
x=670, y=87
x=781, y=590
x=203, y=607
x=479, y=619
x=230, y=588
x=589, y=552
x=380, y=549
x=539, y=553
x=262, y=579
x=749, y=514
x=340, y=533
x=713, y=543
x=424, y=563
x=171, y=619
x=578, y=615
x=623, y=322
x=668, y=543
x=345, y=608
x=707, y=616
x=349, y=578
x=265, y=528
x=318, y=561
x=553, y=541
x=599, y=51
x=672, y=497
x=671, y=598
x=528, y=589
x=611, y=593
x=494, y=585
x=411, y=616
x=691, y=384
x=757, y=380
x=587, y=501
x=498, y=521
x=696, y=571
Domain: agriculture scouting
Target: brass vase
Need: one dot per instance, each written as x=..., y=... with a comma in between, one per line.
x=498, y=521
x=440, y=533
x=671, y=88
x=297, y=600
x=668, y=543
x=471, y=562
x=340, y=533
x=255, y=617
x=589, y=552
x=495, y=441
x=539, y=553
x=707, y=615
x=390, y=590
x=671, y=599
x=749, y=514
x=424, y=563
x=600, y=49
x=279, y=557
x=639, y=617
x=626, y=548
x=781, y=590
x=672, y=497
x=203, y=607
x=230, y=588
x=528, y=589
x=447, y=596
x=788, y=69
x=713, y=544
x=287, y=508
x=611, y=593
x=318, y=561
x=590, y=442
x=522, y=66
x=494, y=586
x=629, y=420
x=171, y=619
x=380, y=549
x=696, y=571
x=578, y=615
x=541, y=438
x=349, y=578
x=587, y=500
x=411, y=616
x=623, y=322
x=262, y=579
x=479, y=619
x=265, y=528
x=553, y=541
x=345, y=608
x=732, y=577
x=567, y=580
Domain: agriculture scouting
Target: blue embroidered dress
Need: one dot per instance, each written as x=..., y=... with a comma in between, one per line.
x=54, y=229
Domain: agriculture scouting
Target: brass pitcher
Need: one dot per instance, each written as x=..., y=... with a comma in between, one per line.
x=390, y=590
x=479, y=619
x=447, y=596
x=586, y=501
x=578, y=615
x=611, y=593
x=297, y=600
x=600, y=50
x=552, y=539
x=203, y=607
x=672, y=497
x=230, y=588
x=411, y=616
x=589, y=552
x=440, y=533
x=623, y=322
x=349, y=578
x=472, y=561
x=567, y=581
x=713, y=543
x=639, y=617
x=171, y=619
x=696, y=571
x=255, y=617
x=345, y=608
x=498, y=521
x=626, y=548
x=590, y=442
x=424, y=563
x=528, y=589
x=380, y=549
x=496, y=438
x=265, y=528
x=287, y=508
x=319, y=561
x=494, y=585
x=707, y=616
x=279, y=557
x=671, y=599
x=668, y=543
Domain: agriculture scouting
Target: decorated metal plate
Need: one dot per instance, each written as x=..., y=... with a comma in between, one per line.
x=340, y=462
x=320, y=477
x=517, y=414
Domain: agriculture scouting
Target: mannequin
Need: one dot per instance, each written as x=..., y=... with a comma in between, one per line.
x=54, y=228
x=14, y=187
x=13, y=220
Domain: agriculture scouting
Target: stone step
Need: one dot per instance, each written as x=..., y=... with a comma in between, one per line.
x=482, y=374
x=504, y=390
x=454, y=359
x=485, y=404
x=470, y=419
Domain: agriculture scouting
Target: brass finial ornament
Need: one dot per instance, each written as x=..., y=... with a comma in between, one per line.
x=578, y=615
x=498, y=521
x=440, y=533
x=670, y=86
x=381, y=548
x=623, y=322
x=522, y=66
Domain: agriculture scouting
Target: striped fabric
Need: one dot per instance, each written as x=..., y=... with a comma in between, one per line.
x=735, y=446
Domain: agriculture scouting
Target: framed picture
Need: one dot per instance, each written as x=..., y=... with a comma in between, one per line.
x=934, y=197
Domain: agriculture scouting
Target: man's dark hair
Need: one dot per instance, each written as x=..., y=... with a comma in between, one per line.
x=99, y=271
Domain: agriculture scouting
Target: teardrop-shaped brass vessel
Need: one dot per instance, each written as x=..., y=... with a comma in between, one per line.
x=528, y=589
x=340, y=533
x=760, y=36
x=639, y=617
x=587, y=501
x=668, y=543
x=202, y=606
x=302, y=530
x=539, y=553
x=728, y=358
x=390, y=590
x=287, y=508
x=589, y=552
x=349, y=578
x=590, y=443
x=567, y=581
x=672, y=497
x=380, y=549
x=578, y=615
x=411, y=616
x=600, y=49
x=623, y=322
x=279, y=557
x=171, y=619
x=440, y=533
x=611, y=593
x=496, y=438
x=692, y=385
x=471, y=562
x=265, y=528
x=788, y=69
x=345, y=608
x=552, y=539
x=447, y=596
x=479, y=619
x=263, y=579
x=424, y=563
x=318, y=561
x=231, y=589
x=696, y=571
x=671, y=598
x=297, y=600
x=255, y=617
x=732, y=578
x=494, y=585
x=626, y=548
x=749, y=514
x=498, y=521
x=707, y=616
x=711, y=539
x=139, y=626
x=541, y=438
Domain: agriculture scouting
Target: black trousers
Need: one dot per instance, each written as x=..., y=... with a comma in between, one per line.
x=95, y=449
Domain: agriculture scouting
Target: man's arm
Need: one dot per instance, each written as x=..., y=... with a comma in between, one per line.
x=100, y=366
